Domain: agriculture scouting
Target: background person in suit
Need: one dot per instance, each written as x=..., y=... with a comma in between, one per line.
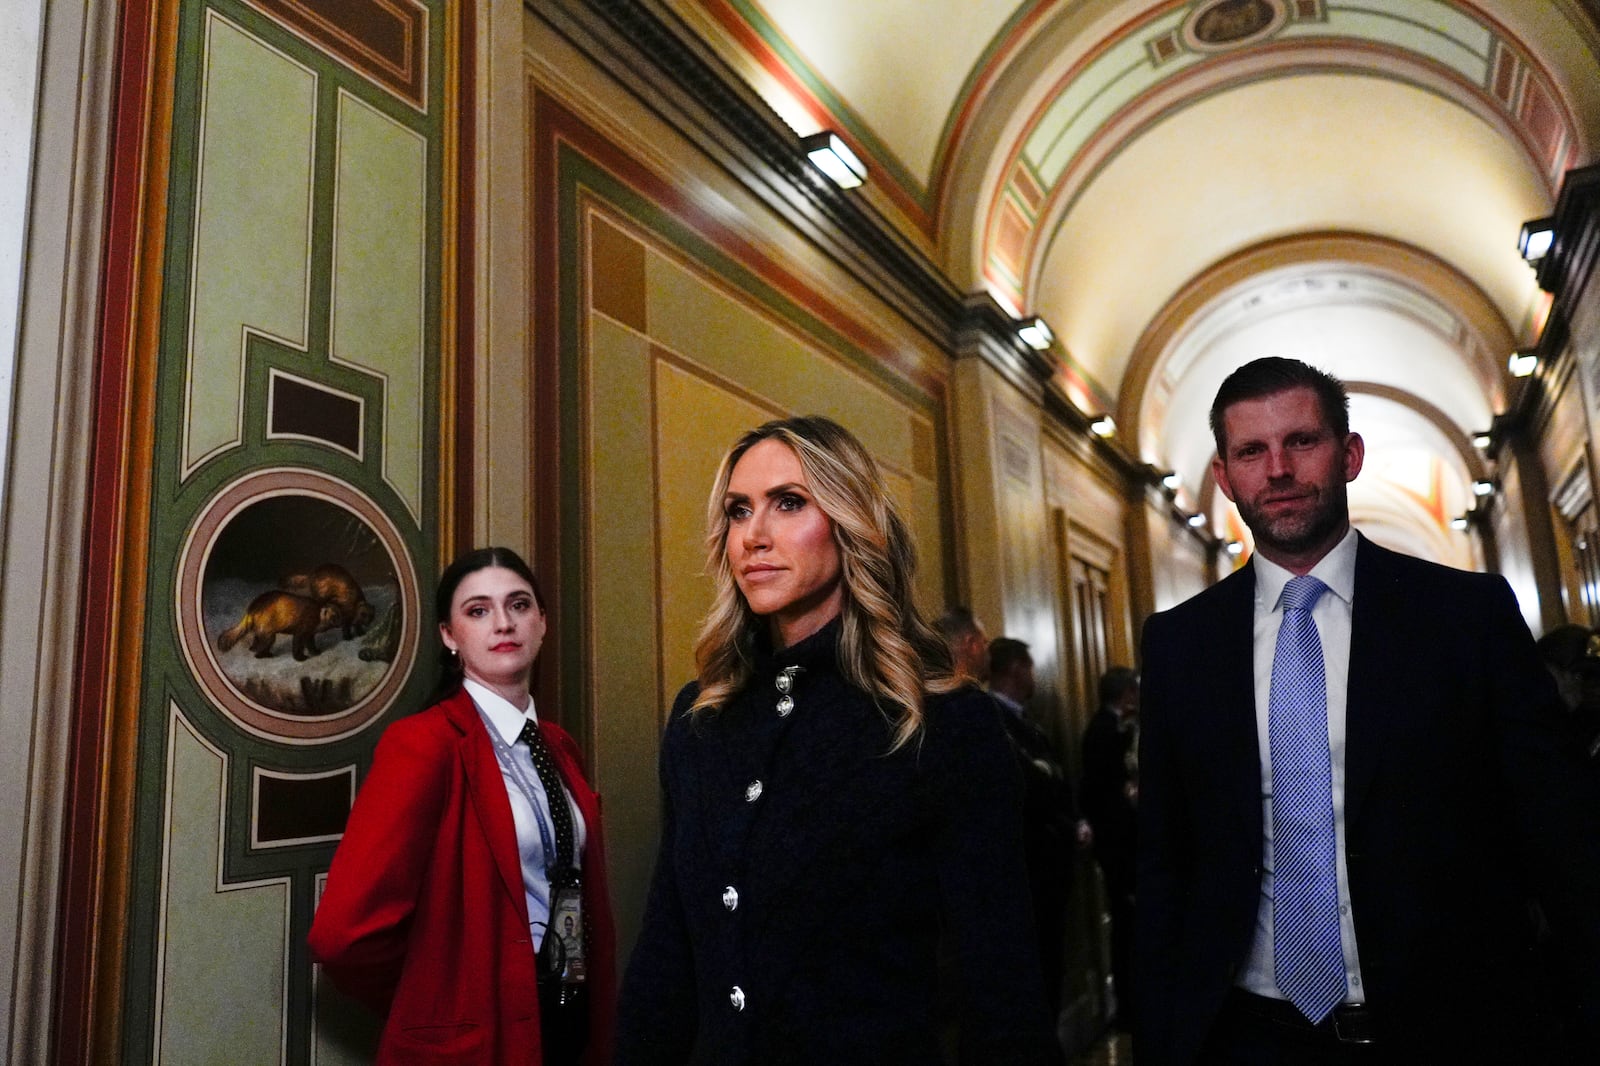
x=969, y=644
x=1350, y=787
x=1110, y=796
x=1052, y=832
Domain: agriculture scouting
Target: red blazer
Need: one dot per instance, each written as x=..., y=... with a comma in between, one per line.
x=424, y=918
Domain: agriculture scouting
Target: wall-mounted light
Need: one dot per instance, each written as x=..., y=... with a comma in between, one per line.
x=1235, y=548
x=1535, y=239
x=1036, y=333
x=1482, y=488
x=1460, y=523
x=1196, y=521
x=1483, y=441
x=829, y=154
x=1103, y=426
x=1523, y=362
x=1170, y=481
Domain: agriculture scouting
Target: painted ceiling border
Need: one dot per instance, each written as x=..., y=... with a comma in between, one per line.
x=1249, y=55
x=753, y=30
x=1109, y=142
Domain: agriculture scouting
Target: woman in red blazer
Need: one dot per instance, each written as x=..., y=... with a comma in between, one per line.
x=454, y=863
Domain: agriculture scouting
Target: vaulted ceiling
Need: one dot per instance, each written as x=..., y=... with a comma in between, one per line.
x=1180, y=186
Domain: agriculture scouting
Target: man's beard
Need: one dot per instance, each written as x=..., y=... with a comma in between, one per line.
x=1295, y=533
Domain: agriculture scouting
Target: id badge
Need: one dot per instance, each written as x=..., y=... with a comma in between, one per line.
x=566, y=921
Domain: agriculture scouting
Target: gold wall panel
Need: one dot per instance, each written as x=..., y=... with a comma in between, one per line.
x=675, y=365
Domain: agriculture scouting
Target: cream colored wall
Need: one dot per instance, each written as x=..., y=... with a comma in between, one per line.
x=501, y=340
x=46, y=499
x=1095, y=507
x=1510, y=529
x=1177, y=561
x=1004, y=554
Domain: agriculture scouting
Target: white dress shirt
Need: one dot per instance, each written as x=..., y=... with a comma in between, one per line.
x=1337, y=570
x=508, y=721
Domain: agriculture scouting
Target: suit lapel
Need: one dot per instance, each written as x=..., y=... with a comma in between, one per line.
x=487, y=788
x=1235, y=663
x=1375, y=653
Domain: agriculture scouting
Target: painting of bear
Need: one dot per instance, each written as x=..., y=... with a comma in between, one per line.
x=333, y=585
x=277, y=612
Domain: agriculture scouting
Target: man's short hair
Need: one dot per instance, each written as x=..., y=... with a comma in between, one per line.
x=1274, y=374
x=1006, y=652
x=956, y=624
x=1116, y=682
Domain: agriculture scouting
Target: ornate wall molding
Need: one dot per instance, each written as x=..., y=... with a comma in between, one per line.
x=694, y=91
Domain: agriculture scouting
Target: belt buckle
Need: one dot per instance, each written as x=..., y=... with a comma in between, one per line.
x=1351, y=1025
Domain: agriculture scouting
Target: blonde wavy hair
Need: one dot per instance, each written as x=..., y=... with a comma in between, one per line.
x=886, y=648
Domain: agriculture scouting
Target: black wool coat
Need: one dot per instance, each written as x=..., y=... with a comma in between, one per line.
x=806, y=872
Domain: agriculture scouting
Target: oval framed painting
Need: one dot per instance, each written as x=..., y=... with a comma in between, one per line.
x=1221, y=25
x=298, y=606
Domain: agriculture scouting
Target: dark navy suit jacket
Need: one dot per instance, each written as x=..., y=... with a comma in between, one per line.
x=1460, y=806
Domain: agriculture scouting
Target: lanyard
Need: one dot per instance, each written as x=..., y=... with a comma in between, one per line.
x=504, y=755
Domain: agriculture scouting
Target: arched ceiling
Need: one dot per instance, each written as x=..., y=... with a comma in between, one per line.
x=1139, y=173
x=1333, y=152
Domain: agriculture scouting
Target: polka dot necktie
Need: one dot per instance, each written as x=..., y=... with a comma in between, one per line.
x=550, y=778
x=1308, y=956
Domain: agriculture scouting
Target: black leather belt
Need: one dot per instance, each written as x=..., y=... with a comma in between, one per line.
x=1350, y=1023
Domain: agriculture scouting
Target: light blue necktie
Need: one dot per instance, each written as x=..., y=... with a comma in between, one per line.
x=1307, y=955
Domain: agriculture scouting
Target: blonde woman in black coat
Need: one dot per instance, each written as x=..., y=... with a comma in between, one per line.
x=833, y=799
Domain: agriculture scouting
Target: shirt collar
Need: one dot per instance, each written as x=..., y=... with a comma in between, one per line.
x=507, y=719
x=1337, y=570
x=1007, y=702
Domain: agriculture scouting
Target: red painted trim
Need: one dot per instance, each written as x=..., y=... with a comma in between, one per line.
x=1047, y=101
x=465, y=266
x=779, y=71
x=1481, y=93
x=1002, y=56
x=1073, y=179
x=544, y=327
x=1534, y=62
x=77, y=931
x=405, y=75
x=554, y=124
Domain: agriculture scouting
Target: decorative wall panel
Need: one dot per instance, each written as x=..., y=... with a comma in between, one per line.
x=294, y=505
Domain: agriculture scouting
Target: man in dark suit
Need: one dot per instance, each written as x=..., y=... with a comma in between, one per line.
x=1110, y=794
x=1051, y=828
x=1352, y=784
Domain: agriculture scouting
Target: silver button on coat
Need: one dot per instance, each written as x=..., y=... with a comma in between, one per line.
x=736, y=997
x=752, y=792
x=730, y=898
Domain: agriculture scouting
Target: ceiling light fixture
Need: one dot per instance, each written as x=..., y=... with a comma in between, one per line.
x=1482, y=488
x=1460, y=522
x=1523, y=362
x=1196, y=520
x=1103, y=426
x=1483, y=441
x=1235, y=548
x=1535, y=239
x=829, y=154
x=1036, y=333
x=1170, y=481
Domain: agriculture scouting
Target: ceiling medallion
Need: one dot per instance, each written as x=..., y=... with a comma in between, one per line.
x=1219, y=25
